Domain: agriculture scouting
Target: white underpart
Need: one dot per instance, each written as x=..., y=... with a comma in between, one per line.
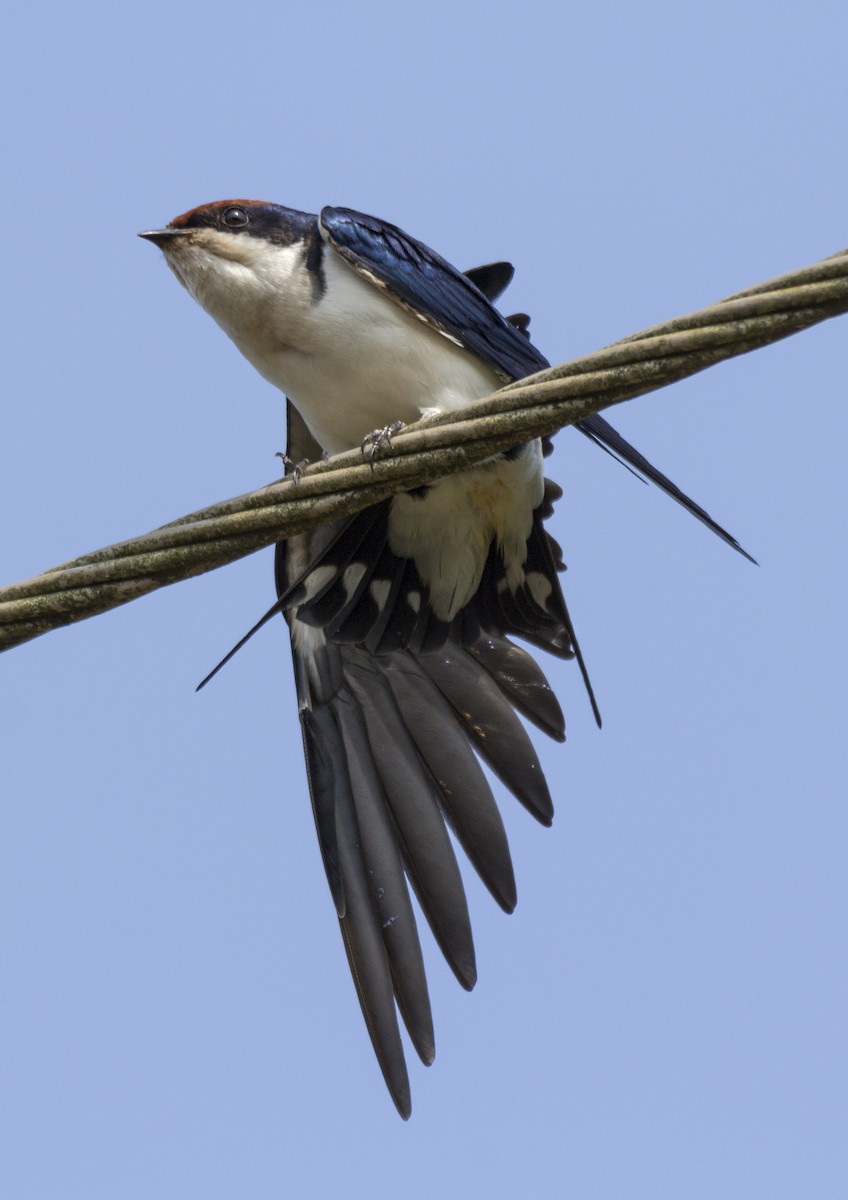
x=449, y=530
x=352, y=360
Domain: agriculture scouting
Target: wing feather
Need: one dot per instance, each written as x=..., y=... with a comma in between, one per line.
x=424, y=283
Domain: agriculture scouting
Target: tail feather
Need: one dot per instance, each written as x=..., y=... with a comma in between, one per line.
x=386, y=883
x=397, y=707
x=602, y=433
x=466, y=798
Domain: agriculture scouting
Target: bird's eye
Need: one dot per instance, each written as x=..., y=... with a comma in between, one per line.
x=235, y=218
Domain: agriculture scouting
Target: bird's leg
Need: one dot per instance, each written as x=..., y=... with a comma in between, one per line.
x=295, y=469
x=377, y=440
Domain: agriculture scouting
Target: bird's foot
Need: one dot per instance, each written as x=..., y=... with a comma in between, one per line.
x=378, y=440
x=294, y=469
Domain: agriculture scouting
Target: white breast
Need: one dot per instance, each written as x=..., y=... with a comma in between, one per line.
x=352, y=360
x=357, y=361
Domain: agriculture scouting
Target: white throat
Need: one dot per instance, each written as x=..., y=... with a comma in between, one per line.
x=346, y=354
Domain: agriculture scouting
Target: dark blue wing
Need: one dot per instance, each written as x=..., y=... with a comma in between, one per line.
x=427, y=284
x=424, y=282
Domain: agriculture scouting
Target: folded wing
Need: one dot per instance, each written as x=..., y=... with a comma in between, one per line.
x=460, y=307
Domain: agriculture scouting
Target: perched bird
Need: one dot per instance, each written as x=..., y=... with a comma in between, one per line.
x=401, y=616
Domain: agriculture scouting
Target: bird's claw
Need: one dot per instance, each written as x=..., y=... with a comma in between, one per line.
x=294, y=469
x=373, y=444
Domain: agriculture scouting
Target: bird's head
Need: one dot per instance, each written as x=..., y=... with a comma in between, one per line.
x=236, y=257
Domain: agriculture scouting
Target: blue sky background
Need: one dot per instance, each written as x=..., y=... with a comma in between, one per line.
x=664, y=1014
